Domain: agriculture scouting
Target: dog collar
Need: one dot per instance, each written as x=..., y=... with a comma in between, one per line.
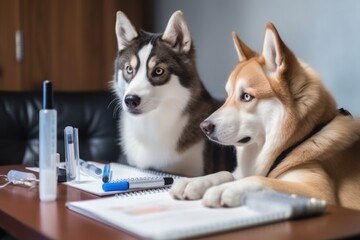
x=316, y=129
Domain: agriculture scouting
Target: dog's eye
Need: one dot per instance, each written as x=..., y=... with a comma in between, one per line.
x=129, y=69
x=245, y=97
x=158, y=72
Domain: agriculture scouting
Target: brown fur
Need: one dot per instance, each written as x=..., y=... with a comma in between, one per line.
x=324, y=164
x=328, y=163
x=334, y=152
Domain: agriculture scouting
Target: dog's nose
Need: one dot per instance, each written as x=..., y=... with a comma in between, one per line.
x=132, y=101
x=207, y=127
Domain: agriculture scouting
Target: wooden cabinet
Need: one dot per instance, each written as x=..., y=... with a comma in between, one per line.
x=70, y=42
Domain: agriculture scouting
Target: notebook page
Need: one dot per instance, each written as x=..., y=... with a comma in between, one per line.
x=162, y=217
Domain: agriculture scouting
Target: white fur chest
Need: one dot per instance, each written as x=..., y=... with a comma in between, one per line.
x=151, y=140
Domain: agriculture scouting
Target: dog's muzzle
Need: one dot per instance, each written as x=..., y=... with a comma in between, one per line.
x=132, y=102
x=207, y=127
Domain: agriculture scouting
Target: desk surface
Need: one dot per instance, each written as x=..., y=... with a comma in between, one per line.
x=25, y=217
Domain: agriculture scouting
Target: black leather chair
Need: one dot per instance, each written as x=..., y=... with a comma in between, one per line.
x=93, y=113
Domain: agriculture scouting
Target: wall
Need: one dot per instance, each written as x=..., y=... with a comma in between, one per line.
x=323, y=33
x=71, y=43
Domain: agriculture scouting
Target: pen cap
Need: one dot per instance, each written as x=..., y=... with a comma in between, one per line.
x=69, y=135
x=168, y=180
x=76, y=144
x=71, y=153
x=48, y=98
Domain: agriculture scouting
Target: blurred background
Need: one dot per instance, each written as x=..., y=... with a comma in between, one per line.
x=323, y=33
x=72, y=42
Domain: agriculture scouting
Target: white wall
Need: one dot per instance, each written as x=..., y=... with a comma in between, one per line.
x=323, y=33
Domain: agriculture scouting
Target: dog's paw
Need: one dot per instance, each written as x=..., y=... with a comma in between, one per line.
x=230, y=194
x=194, y=188
x=188, y=189
x=212, y=197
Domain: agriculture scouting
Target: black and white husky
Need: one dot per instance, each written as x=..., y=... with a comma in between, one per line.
x=163, y=101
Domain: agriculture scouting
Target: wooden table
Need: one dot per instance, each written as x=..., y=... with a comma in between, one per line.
x=25, y=217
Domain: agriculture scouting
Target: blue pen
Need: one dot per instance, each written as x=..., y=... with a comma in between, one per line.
x=142, y=183
x=106, y=173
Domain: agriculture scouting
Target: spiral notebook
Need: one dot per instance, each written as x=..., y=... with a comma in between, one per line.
x=154, y=214
x=119, y=172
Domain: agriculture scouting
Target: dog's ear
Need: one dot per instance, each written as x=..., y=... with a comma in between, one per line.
x=177, y=33
x=279, y=61
x=274, y=50
x=244, y=52
x=125, y=31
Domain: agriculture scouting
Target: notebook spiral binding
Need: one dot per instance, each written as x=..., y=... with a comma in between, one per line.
x=136, y=179
x=152, y=172
x=142, y=192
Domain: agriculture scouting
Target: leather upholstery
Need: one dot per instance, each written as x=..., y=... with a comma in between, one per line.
x=91, y=112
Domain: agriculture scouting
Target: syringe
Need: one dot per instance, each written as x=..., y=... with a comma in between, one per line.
x=90, y=169
x=14, y=175
x=18, y=177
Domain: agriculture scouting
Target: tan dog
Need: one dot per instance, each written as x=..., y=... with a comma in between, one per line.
x=286, y=128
